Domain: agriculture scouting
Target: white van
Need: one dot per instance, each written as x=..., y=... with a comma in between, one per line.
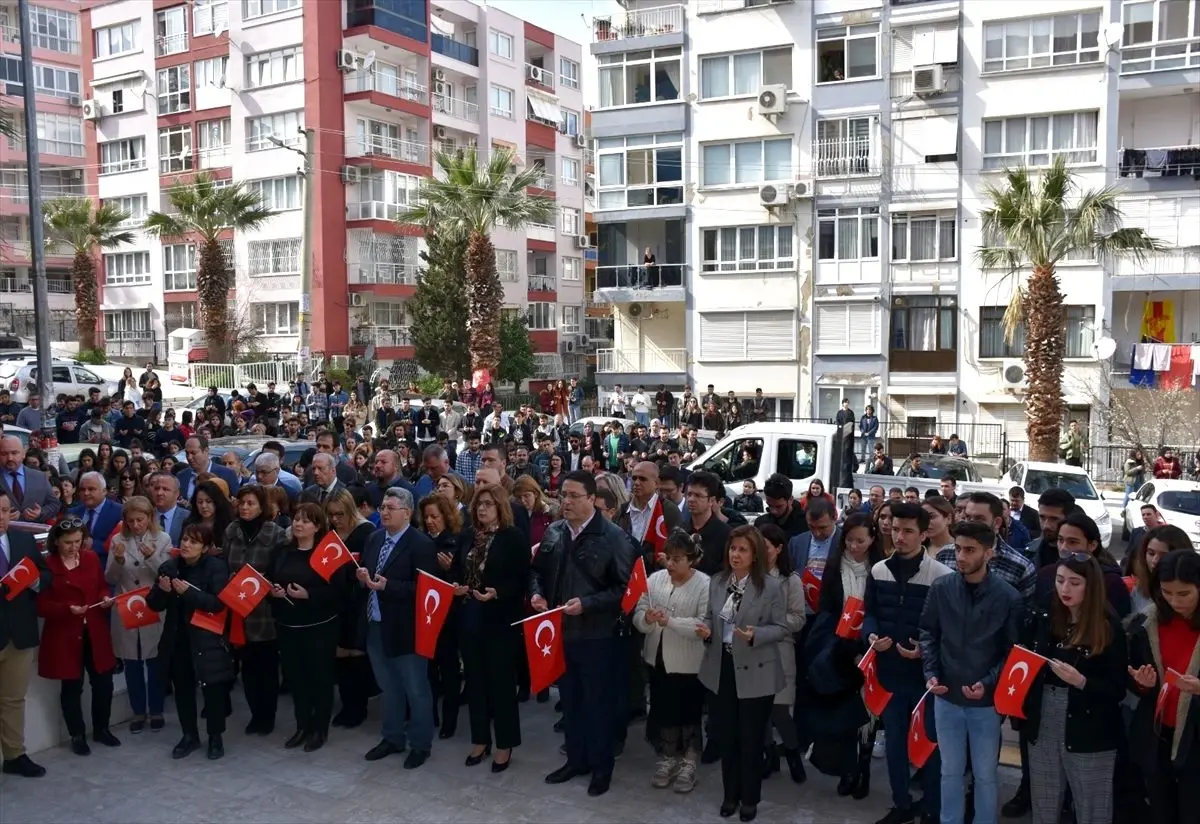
x=801, y=451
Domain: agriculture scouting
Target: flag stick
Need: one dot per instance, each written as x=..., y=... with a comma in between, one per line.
x=434, y=577
x=923, y=697
x=538, y=615
x=1031, y=652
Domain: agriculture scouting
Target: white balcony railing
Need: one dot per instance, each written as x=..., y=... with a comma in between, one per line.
x=539, y=76
x=129, y=334
x=641, y=360
x=170, y=44
x=372, y=210
x=640, y=23
x=396, y=274
x=10, y=33
x=215, y=157
x=544, y=181
x=386, y=83
x=1176, y=261
x=541, y=231
x=846, y=157
x=380, y=146
x=381, y=336
x=458, y=109
x=1180, y=53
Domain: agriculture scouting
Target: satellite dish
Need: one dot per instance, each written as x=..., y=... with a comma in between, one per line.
x=1105, y=348
x=1113, y=34
x=369, y=61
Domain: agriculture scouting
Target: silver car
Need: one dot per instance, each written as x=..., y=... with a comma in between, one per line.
x=17, y=376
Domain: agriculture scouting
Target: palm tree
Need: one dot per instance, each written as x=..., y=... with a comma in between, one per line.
x=1031, y=224
x=206, y=209
x=469, y=200
x=73, y=220
x=8, y=125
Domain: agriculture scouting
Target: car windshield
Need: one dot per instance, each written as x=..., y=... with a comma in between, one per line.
x=9, y=368
x=958, y=470
x=1186, y=501
x=1038, y=481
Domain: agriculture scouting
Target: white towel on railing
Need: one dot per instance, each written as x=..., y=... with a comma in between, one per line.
x=1196, y=359
x=1161, y=358
x=1143, y=356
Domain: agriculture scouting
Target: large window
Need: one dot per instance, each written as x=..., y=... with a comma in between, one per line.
x=283, y=126
x=846, y=147
x=128, y=324
x=175, y=89
x=568, y=73
x=123, y=155
x=568, y=122
x=506, y=265
x=1150, y=24
x=748, y=248
x=381, y=195
x=274, y=257
x=572, y=268
x=209, y=16
x=274, y=67
x=56, y=81
x=179, y=267
x=388, y=314
x=60, y=134
x=640, y=77
x=640, y=170
x=127, y=268
x=276, y=318
x=571, y=320
x=924, y=324
x=748, y=336
x=570, y=220
x=923, y=237
x=171, y=31
x=848, y=233
x=847, y=53
x=211, y=72
x=260, y=8
x=1079, y=327
x=213, y=136
x=1037, y=140
x=570, y=171
x=747, y=161
x=501, y=101
x=734, y=75
x=175, y=149
x=500, y=44
x=133, y=205
x=180, y=315
x=541, y=316
x=54, y=29
x=846, y=327
x=278, y=193
x=1062, y=40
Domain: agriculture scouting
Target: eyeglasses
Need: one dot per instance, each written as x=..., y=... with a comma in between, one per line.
x=1077, y=557
x=70, y=522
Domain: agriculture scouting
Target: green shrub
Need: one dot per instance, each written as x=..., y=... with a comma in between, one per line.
x=430, y=385
x=95, y=357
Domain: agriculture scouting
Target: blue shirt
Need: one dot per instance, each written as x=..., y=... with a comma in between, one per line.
x=389, y=545
x=169, y=515
x=20, y=470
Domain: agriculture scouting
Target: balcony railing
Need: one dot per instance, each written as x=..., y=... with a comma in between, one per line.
x=129, y=334
x=10, y=33
x=170, y=44
x=641, y=360
x=542, y=283
x=1160, y=161
x=395, y=274
x=541, y=231
x=544, y=181
x=659, y=276
x=381, y=336
x=396, y=149
x=389, y=84
x=846, y=157
x=641, y=23
x=373, y=210
x=539, y=76
x=458, y=109
x=11, y=285
x=461, y=52
x=1178, y=53
x=59, y=286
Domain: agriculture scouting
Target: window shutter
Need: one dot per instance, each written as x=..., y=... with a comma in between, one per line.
x=722, y=335
x=921, y=406
x=832, y=334
x=1189, y=222
x=945, y=42
x=1136, y=213
x=941, y=136
x=902, y=49
x=907, y=136
x=863, y=322
x=1164, y=221
x=770, y=336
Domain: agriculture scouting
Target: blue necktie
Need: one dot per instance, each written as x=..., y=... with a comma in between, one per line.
x=163, y=520
x=91, y=517
x=373, y=599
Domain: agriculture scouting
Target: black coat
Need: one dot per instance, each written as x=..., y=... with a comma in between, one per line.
x=397, y=600
x=833, y=697
x=212, y=658
x=354, y=608
x=1144, y=732
x=506, y=571
x=18, y=617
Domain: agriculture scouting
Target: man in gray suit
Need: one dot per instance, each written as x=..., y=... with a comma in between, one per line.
x=325, y=480
x=164, y=494
x=28, y=489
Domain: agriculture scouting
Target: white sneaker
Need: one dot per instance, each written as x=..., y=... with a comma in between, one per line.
x=685, y=782
x=880, y=748
x=665, y=771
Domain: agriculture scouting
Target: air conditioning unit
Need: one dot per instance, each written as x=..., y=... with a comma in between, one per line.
x=73, y=100
x=636, y=309
x=358, y=299
x=583, y=242
x=439, y=132
x=584, y=341
x=566, y=346
x=439, y=75
x=772, y=100
x=533, y=72
x=91, y=109
x=351, y=174
x=581, y=141
x=774, y=194
x=1012, y=373
x=347, y=60
x=928, y=80
x=802, y=188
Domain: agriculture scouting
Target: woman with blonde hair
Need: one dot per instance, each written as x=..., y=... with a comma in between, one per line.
x=614, y=484
x=529, y=492
x=355, y=681
x=454, y=489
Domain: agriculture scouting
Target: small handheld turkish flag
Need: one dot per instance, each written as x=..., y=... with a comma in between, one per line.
x=850, y=625
x=19, y=578
x=245, y=591
x=434, y=598
x=1020, y=669
x=637, y=586
x=329, y=556
x=656, y=533
x=919, y=745
x=543, y=648
x=132, y=609
x=874, y=695
x=812, y=589
x=214, y=622
x=1171, y=682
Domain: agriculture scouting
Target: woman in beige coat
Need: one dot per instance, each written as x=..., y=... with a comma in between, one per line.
x=134, y=557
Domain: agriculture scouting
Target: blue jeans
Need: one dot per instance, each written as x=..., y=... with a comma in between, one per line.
x=960, y=728
x=576, y=411
x=404, y=680
x=642, y=417
x=1130, y=491
x=144, y=682
x=896, y=716
x=867, y=444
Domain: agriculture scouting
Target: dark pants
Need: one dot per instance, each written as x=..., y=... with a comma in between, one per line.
x=589, y=699
x=260, y=679
x=489, y=664
x=183, y=683
x=800, y=707
x=629, y=681
x=70, y=696
x=740, y=724
x=896, y=716
x=356, y=684
x=445, y=675
x=309, y=662
x=1174, y=791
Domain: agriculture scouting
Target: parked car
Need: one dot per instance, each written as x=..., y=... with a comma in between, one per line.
x=943, y=466
x=67, y=376
x=249, y=446
x=195, y=405
x=598, y=422
x=1177, y=501
x=1035, y=478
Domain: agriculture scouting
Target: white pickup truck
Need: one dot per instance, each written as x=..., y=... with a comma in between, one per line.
x=801, y=451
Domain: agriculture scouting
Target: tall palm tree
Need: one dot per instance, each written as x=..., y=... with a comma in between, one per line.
x=74, y=221
x=1031, y=224
x=205, y=209
x=8, y=124
x=469, y=199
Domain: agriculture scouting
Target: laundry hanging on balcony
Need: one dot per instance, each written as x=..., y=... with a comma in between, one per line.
x=1164, y=365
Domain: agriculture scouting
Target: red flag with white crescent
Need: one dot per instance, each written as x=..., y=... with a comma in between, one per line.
x=812, y=589
x=1020, y=669
x=543, y=648
x=214, y=622
x=919, y=745
x=329, y=556
x=20, y=578
x=851, y=624
x=656, y=533
x=133, y=611
x=245, y=591
x=1130, y=582
x=434, y=598
x=637, y=586
x=875, y=697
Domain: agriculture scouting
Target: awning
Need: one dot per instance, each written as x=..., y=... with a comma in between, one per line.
x=118, y=78
x=545, y=108
x=123, y=306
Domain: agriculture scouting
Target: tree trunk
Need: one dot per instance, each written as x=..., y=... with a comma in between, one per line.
x=1045, y=346
x=87, y=300
x=485, y=299
x=212, y=285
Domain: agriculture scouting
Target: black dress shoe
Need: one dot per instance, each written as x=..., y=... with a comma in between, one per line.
x=298, y=738
x=352, y=721
x=748, y=812
x=315, y=741
x=565, y=773
x=216, y=748
x=499, y=767
x=254, y=727
x=79, y=745
x=416, y=758
x=447, y=731
x=599, y=783
x=795, y=762
x=846, y=785
x=186, y=746
x=23, y=766
x=382, y=750
x=474, y=760
x=728, y=808
x=106, y=738
x=1016, y=806
x=157, y=723
x=862, y=787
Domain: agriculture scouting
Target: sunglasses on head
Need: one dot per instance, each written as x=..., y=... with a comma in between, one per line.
x=70, y=522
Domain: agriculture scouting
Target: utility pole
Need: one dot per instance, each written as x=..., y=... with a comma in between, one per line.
x=304, y=351
x=37, y=231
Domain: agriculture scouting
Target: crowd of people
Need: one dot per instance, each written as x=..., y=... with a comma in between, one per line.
x=742, y=650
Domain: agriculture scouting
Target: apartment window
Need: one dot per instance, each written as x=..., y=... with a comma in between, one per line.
x=174, y=89
x=170, y=30
x=134, y=205
x=119, y=39
x=568, y=73
x=500, y=44
x=60, y=134
x=747, y=336
x=506, y=265
x=846, y=328
x=211, y=72
x=748, y=248
x=11, y=73
x=847, y=53
x=383, y=194
x=276, y=318
x=274, y=257
x=179, y=267
x=388, y=314
x=570, y=171
x=640, y=170
x=541, y=316
x=1150, y=23
x=572, y=268
x=571, y=320
x=735, y=75
x=1037, y=140
x=845, y=147
x=568, y=122
x=924, y=324
x=175, y=149
x=849, y=233
x=133, y=324
x=127, y=268
x=208, y=16
x=501, y=104
x=274, y=67
x=570, y=221
x=749, y=161
x=261, y=8
x=62, y=183
x=1079, y=326
x=56, y=82
x=284, y=126
x=279, y=194
x=123, y=155
x=213, y=136
x=180, y=316
x=54, y=30
x=1034, y=43
x=640, y=77
x=928, y=237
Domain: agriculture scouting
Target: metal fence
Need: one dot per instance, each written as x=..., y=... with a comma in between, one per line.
x=1105, y=463
x=903, y=438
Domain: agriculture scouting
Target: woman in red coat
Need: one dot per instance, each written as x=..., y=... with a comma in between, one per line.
x=76, y=635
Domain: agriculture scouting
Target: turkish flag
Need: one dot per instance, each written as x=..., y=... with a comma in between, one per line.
x=850, y=626
x=245, y=591
x=636, y=587
x=176, y=552
x=1130, y=582
x=543, y=648
x=212, y=621
x=329, y=556
x=434, y=598
x=1020, y=669
x=919, y=745
x=874, y=695
x=812, y=589
x=237, y=630
x=20, y=578
x=1171, y=682
x=656, y=532
x=132, y=609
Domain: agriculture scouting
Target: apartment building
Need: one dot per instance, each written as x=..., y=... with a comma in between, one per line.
x=55, y=32
x=226, y=87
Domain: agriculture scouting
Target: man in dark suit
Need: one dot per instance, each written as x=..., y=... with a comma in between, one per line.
x=100, y=515
x=389, y=567
x=28, y=489
x=163, y=491
x=325, y=480
x=19, y=639
x=199, y=461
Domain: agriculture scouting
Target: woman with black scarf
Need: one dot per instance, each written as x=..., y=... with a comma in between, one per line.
x=442, y=522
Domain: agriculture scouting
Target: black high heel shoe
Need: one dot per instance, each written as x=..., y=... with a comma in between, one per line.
x=475, y=760
x=498, y=767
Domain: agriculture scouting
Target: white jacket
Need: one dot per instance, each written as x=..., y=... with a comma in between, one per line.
x=682, y=648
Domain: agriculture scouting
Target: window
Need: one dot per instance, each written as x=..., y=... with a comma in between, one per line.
x=572, y=268
x=211, y=72
x=1062, y=40
x=128, y=324
x=640, y=77
x=751, y=161
x=847, y=53
x=500, y=44
x=277, y=193
x=134, y=205
x=170, y=31
x=274, y=67
x=54, y=30
x=845, y=147
x=1081, y=323
x=847, y=328
x=127, y=268
x=571, y=320
x=540, y=316
x=506, y=265
x=1150, y=23
x=1079, y=327
x=175, y=149
x=60, y=134
x=274, y=257
x=388, y=314
x=212, y=136
x=747, y=336
x=122, y=155
x=570, y=171
x=923, y=237
x=570, y=221
x=208, y=16
x=276, y=318
x=55, y=81
x=568, y=122
x=925, y=139
x=568, y=73
x=11, y=73
x=732, y=75
x=1035, y=141
x=261, y=8
x=924, y=324
x=182, y=315
x=640, y=170
x=849, y=233
x=501, y=104
x=179, y=267
x=381, y=195
x=125, y=96
x=285, y=126
x=174, y=89
x=748, y=248
x=119, y=39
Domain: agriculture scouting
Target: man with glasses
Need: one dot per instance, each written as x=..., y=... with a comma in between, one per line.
x=99, y=514
x=268, y=473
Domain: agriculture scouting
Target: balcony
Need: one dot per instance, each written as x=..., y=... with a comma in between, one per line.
x=214, y=157
x=1160, y=161
x=539, y=77
x=458, y=109
x=541, y=231
x=10, y=33
x=381, y=336
x=664, y=22
x=373, y=210
x=170, y=44
x=1164, y=53
x=542, y=283
x=455, y=50
x=644, y=365
x=846, y=157
x=392, y=148
x=386, y=83
x=663, y=282
x=393, y=274
x=544, y=182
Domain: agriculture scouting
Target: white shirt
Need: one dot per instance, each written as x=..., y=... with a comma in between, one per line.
x=618, y=401
x=576, y=532
x=639, y=519
x=641, y=403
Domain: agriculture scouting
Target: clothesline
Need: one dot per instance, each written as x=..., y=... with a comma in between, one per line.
x=1165, y=365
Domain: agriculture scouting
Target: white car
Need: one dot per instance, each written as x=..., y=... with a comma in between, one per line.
x=68, y=376
x=1035, y=478
x=1177, y=501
